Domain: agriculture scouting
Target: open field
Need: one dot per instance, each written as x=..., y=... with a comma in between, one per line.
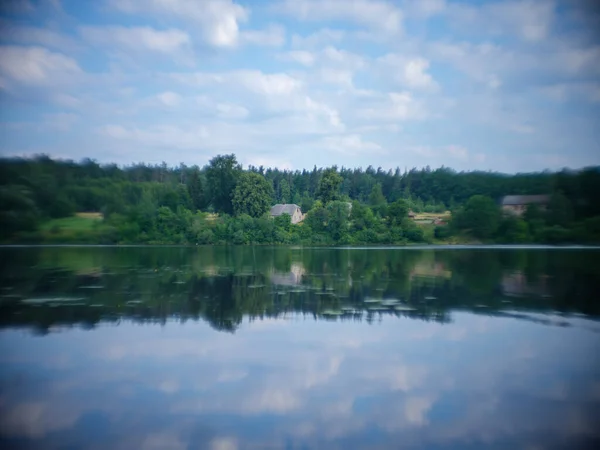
x=90, y=215
x=78, y=222
x=429, y=218
x=432, y=216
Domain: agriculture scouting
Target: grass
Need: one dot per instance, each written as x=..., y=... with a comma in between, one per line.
x=90, y=215
x=432, y=216
x=78, y=222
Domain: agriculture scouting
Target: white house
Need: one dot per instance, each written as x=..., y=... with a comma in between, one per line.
x=292, y=210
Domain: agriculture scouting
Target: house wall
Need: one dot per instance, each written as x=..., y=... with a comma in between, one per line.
x=297, y=217
x=519, y=210
x=514, y=209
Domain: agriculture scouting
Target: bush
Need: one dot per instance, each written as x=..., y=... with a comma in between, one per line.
x=556, y=235
x=414, y=235
x=442, y=232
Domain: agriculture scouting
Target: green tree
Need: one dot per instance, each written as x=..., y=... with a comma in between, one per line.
x=560, y=210
x=18, y=211
x=317, y=218
x=252, y=195
x=513, y=230
x=337, y=220
x=329, y=186
x=397, y=212
x=284, y=191
x=376, y=197
x=222, y=174
x=196, y=190
x=362, y=216
x=306, y=203
x=480, y=215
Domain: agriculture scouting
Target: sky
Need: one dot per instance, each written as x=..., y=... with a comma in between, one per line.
x=508, y=86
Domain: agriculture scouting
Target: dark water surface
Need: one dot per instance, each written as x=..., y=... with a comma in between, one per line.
x=282, y=348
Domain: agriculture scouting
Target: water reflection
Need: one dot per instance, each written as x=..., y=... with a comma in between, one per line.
x=295, y=349
x=42, y=288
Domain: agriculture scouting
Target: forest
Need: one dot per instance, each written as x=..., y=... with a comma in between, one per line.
x=45, y=200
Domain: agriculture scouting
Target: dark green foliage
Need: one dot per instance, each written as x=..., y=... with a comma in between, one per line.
x=337, y=221
x=196, y=190
x=18, y=211
x=158, y=204
x=329, y=186
x=283, y=222
x=397, y=211
x=252, y=195
x=513, y=230
x=222, y=173
x=377, y=201
x=285, y=194
x=480, y=215
x=442, y=232
x=560, y=210
x=317, y=218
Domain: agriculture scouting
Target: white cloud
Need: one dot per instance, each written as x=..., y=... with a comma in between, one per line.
x=331, y=65
x=375, y=14
x=272, y=36
x=300, y=56
x=336, y=77
x=161, y=441
x=342, y=58
x=319, y=39
x=253, y=80
x=35, y=419
x=219, y=19
x=416, y=409
x=169, y=98
x=275, y=93
x=158, y=136
x=494, y=65
x=531, y=20
x=424, y=8
x=223, y=443
x=394, y=106
x=441, y=154
x=137, y=38
x=410, y=72
x=523, y=129
x=457, y=152
x=561, y=92
x=350, y=145
x=267, y=161
x=66, y=100
x=45, y=37
x=231, y=111
x=36, y=65
x=59, y=121
x=266, y=84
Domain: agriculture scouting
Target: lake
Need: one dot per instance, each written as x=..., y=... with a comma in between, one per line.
x=289, y=348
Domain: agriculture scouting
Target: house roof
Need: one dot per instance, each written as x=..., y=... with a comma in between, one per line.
x=288, y=208
x=525, y=199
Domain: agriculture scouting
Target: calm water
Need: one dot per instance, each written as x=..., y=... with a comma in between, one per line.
x=261, y=348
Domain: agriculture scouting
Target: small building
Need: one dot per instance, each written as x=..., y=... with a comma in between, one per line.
x=292, y=210
x=517, y=204
x=411, y=214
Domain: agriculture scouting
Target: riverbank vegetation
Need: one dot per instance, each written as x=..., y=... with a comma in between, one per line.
x=53, y=201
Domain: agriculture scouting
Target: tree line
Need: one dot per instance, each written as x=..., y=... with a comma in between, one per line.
x=223, y=203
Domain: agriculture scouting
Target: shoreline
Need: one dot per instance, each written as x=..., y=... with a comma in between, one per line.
x=335, y=247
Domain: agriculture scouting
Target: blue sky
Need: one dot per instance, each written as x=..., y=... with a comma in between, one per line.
x=494, y=85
